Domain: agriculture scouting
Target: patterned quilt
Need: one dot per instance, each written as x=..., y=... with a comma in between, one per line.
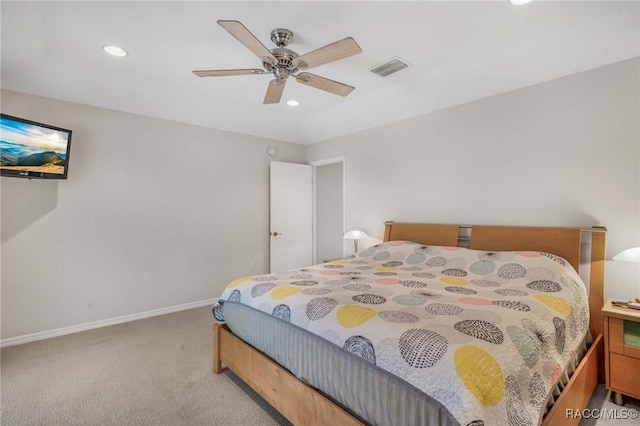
x=486, y=334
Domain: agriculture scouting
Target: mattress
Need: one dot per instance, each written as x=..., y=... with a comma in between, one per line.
x=432, y=316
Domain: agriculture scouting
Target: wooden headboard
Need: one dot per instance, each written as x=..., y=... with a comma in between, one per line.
x=564, y=242
x=422, y=233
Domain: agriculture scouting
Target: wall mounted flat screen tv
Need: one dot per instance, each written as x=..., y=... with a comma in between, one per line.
x=33, y=150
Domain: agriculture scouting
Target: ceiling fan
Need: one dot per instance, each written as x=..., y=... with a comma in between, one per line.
x=283, y=62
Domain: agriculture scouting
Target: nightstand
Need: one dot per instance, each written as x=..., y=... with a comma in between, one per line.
x=622, y=351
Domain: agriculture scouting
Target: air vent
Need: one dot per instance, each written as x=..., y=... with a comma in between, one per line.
x=389, y=67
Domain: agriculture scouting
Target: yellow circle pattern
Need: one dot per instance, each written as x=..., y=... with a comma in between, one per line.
x=454, y=281
x=555, y=303
x=239, y=281
x=350, y=316
x=282, y=292
x=386, y=269
x=480, y=374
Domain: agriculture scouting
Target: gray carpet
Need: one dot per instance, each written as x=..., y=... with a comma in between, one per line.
x=609, y=413
x=155, y=371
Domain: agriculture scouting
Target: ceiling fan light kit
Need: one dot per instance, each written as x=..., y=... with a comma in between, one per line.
x=283, y=62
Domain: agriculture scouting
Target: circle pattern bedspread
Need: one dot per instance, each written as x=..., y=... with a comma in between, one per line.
x=486, y=334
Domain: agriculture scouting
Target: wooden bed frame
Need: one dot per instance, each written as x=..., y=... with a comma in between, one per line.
x=304, y=405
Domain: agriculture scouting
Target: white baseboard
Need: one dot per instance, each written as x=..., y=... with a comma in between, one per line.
x=26, y=338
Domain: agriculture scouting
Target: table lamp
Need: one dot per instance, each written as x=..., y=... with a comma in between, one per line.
x=355, y=235
x=626, y=274
x=628, y=255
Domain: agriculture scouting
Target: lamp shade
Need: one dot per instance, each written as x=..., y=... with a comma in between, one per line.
x=628, y=255
x=355, y=235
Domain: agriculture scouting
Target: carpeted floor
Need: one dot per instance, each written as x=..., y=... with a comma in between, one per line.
x=155, y=371
x=610, y=414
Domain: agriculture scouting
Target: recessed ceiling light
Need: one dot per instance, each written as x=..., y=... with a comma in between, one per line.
x=115, y=50
x=519, y=2
x=293, y=102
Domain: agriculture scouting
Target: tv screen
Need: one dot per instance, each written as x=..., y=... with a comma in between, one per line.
x=33, y=150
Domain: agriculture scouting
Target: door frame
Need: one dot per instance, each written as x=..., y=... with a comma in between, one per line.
x=325, y=162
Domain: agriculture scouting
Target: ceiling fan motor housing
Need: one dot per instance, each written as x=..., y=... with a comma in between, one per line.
x=284, y=65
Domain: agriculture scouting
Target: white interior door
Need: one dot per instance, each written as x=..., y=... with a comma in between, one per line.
x=290, y=216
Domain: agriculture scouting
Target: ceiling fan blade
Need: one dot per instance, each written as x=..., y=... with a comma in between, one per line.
x=329, y=53
x=222, y=73
x=244, y=36
x=274, y=91
x=325, y=84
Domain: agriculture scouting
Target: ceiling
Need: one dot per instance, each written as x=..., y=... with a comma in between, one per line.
x=458, y=51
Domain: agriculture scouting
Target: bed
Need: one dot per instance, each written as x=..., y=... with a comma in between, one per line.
x=501, y=332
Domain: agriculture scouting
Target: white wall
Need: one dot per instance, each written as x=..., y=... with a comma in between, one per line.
x=154, y=213
x=329, y=212
x=561, y=153
x=157, y=213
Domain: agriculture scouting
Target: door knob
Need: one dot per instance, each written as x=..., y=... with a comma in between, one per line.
x=275, y=233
